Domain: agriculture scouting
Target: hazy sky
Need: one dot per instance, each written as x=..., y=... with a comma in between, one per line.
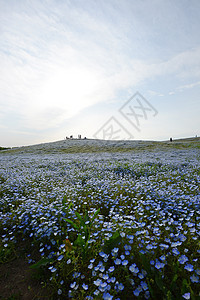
x=69, y=68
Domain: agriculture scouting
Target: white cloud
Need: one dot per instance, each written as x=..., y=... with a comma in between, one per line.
x=58, y=58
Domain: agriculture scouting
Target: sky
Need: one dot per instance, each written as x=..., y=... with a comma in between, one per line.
x=109, y=69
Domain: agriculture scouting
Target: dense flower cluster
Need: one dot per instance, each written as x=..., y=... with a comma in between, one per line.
x=153, y=204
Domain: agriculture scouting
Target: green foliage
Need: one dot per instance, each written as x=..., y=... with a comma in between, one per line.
x=41, y=263
x=83, y=228
x=7, y=253
x=113, y=242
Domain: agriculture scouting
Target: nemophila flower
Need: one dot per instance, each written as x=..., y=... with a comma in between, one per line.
x=198, y=271
x=194, y=278
x=152, y=262
x=103, y=286
x=112, y=279
x=117, y=261
x=72, y=285
x=85, y=286
x=52, y=269
x=102, y=254
x=62, y=281
x=164, y=246
x=111, y=269
x=125, y=262
x=90, y=266
x=76, y=274
x=136, y=292
x=140, y=275
x=120, y=287
x=182, y=259
x=147, y=295
x=127, y=247
x=144, y=285
x=149, y=247
x=98, y=282
x=70, y=295
x=176, y=244
x=60, y=257
x=107, y=296
x=189, y=267
x=186, y=296
x=96, y=292
x=132, y=282
x=162, y=257
x=159, y=265
x=102, y=269
x=68, y=261
x=175, y=251
x=105, y=276
x=134, y=269
x=59, y=292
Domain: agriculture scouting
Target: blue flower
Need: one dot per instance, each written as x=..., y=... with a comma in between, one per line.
x=175, y=251
x=90, y=266
x=182, y=259
x=134, y=269
x=72, y=285
x=111, y=269
x=96, y=292
x=159, y=265
x=136, y=292
x=102, y=269
x=189, y=267
x=194, y=278
x=105, y=276
x=186, y=296
x=120, y=287
x=60, y=257
x=107, y=296
x=144, y=285
x=59, y=292
x=152, y=262
x=125, y=262
x=117, y=261
x=98, y=282
x=85, y=286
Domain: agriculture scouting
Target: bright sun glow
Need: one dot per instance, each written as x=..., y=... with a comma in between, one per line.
x=70, y=90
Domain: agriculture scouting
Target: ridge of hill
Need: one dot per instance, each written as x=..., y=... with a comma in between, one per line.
x=94, y=145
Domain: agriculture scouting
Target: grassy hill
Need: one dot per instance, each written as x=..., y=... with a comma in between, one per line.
x=92, y=145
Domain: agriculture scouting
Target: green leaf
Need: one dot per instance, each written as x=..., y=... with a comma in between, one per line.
x=42, y=262
x=72, y=223
x=78, y=216
x=150, y=289
x=70, y=205
x=79, y=241
x=146, y=263
x=96, y=213
x=113, y=241
x=173, y=283
x=159, y=283
x=64, y=200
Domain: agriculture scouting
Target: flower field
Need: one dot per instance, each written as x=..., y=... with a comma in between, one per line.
x=105, y=225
